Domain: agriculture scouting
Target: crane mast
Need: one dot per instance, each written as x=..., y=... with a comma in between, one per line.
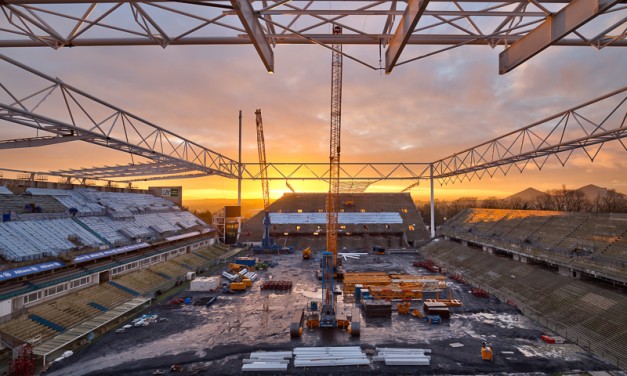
x=333, y=197
x=329, y=258
x=261, y=149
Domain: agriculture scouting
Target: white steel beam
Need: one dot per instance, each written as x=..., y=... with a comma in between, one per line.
x=554, y=28
x=406, y=26
x=250, y=21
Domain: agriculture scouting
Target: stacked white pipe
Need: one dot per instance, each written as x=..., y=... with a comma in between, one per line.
x=329, y=356
x=402, y=356
x=267, y=361
x=251, y=275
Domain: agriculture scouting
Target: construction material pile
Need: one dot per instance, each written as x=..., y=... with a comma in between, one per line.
x=377, y=308
x=329, y=356
x=402, y=356
x=276, y=285
x=268, y=361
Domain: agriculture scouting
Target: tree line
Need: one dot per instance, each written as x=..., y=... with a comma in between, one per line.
x=563, y=199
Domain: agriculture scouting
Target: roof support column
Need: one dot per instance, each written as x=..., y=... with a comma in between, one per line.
x=432, y=211
x=554, y=28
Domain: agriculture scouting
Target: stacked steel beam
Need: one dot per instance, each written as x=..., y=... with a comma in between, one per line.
x=329, y=356
x=402, y=356
x=270, y=361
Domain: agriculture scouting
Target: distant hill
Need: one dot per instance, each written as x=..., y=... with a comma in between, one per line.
x=592, y=191
x=529, y=194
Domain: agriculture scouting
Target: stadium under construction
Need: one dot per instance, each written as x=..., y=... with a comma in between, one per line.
x=96, y=279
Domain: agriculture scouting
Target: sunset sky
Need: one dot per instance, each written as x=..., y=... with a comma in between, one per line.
x=423, y=111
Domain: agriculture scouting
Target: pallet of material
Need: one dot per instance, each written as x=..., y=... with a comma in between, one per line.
x=377, y=308
x=437, y=308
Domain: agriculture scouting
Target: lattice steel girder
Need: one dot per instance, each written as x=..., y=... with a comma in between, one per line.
x=38, y=141
x=558, y=134
x=69, y=179
x=406, y=26
x=554, y=28
x=250, y=21
x=73, y=23
x=348, y=171
x=140, y=169
x=78, y=114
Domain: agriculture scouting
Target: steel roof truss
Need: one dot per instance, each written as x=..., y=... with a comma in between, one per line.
x=555, y=27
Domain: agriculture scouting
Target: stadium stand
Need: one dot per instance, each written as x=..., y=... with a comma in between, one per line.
x=390, y=220
x=584, y=312
x=55, y=318
x=589, y=244
x=48, y=222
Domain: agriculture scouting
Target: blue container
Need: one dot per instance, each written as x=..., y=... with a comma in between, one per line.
x=6, y=217
x=314, y=305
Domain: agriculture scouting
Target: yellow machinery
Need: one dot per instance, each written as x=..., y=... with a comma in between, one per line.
x=403, y=308
x=235, y=267
x=237, y=286
x=417, y=313
x=486, y=352
x=307, y=253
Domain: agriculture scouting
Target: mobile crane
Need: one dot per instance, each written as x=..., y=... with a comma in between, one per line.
x=267, y=244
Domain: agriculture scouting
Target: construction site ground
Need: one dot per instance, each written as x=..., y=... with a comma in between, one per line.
x=214, y=340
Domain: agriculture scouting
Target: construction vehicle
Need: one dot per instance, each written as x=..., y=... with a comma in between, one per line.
x=307, y=253
x=378, y=250
x=486, y=352
x=296, y=326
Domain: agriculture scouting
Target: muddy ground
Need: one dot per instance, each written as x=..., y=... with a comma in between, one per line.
x=214, y=340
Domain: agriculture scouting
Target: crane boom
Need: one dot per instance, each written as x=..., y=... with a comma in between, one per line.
x=333, y=197
x=261, y=149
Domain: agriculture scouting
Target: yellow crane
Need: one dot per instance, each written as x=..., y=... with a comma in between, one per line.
x=329, y=258
x=266, y=242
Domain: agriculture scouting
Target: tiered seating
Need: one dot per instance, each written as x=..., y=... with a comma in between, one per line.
x=581, y=240
x=27, y=330
x=557, y=229
x=596, y=233
x=71, y=199
x=170, y=269
x=191, y=259
x=27, y=240
x=143, y=281
x=582, y=312
x=66, y=311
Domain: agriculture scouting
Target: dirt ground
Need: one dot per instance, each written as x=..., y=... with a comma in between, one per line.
x=214, y=340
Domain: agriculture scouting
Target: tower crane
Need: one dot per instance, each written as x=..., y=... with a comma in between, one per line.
x=329, y=258
x=330, y=264
x=266, y=242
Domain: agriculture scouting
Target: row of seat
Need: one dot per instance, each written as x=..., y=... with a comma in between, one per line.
x=582, y=312
x=72, y=309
